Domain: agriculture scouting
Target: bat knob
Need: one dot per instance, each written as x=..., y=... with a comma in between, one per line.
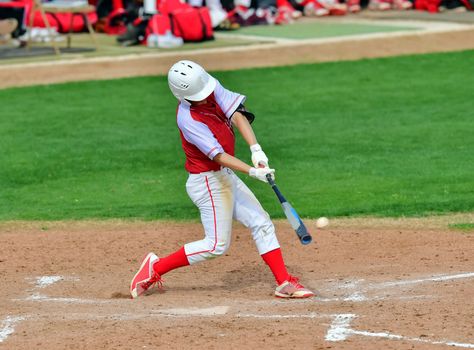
x=270, y=179
x=306, y=239
x=303, y=234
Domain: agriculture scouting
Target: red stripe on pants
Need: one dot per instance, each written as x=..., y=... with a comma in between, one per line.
x=215, y=223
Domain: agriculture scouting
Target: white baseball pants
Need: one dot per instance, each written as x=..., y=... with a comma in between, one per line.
x=221, y=197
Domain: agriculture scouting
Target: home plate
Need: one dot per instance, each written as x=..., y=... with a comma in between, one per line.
x=194, y=311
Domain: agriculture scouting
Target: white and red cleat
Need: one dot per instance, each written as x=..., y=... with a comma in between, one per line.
x=292, y=289
x=145, y=277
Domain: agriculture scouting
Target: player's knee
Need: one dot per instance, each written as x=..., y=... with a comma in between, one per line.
x=263, y=230
x=267, y=228
x=261, y=221
x=220, y=248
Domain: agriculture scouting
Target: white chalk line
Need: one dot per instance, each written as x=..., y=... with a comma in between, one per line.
x=176, y=313
x=356, y=296
x=359, y=293
x=438, y=278
x=65, y=300
x=419, y=340
x=277, y=316
x=46, y=281
x=8, y=326
x=42, y=282
x=337, y=329
x=44, y=298
x=359, y=290
x=340, y=330
x=353, y=298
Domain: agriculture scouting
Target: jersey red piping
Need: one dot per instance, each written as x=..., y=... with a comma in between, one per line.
x=212, y=150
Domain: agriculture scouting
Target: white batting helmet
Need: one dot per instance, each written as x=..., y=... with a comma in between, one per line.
x=188, y=80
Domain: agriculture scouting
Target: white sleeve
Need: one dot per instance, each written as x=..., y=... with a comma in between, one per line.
x=198, y=134
x=228, y=101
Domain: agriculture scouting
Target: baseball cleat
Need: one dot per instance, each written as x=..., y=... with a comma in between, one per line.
x=292, y=289
x=145, y=277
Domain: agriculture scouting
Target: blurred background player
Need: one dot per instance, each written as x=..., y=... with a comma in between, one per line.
x=207, y=114
x=7, y=27
x=12, y=21
x=384, y=5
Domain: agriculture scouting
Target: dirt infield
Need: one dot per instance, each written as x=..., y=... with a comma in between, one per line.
x=382, y=284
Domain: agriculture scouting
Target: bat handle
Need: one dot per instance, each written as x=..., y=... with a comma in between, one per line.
x=270, y=180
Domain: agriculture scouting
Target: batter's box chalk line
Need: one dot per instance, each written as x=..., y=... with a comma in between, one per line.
x=340, y=330
x=42, y=282
x=309, y=315
x=36, y=294
x=46, y=281
x=44, y=298
x=7, y=326
x=357, y=290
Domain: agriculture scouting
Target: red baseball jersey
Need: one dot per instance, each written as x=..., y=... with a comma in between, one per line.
x=206, y=129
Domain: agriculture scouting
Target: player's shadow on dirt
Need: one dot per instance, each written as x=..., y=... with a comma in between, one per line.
x=250, y=276
x=120, y=295
x=247, y=276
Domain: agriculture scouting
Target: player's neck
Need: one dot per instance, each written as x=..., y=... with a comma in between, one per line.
x=198, y=103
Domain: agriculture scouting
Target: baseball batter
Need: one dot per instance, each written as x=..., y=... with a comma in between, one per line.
x=207, y=114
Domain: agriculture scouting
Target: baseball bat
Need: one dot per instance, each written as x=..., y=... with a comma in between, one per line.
x=291, y=214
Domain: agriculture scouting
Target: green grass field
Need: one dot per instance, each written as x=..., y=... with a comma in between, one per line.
x=467, y=227
x=385, y=137
x=313, y=30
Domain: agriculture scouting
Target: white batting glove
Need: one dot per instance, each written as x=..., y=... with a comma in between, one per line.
x=261, y=173
x=259, y=157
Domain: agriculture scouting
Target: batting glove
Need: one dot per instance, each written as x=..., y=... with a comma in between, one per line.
x=261, y=173
x=259, y=157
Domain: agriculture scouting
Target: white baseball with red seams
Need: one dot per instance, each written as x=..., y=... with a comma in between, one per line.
x=218, y=193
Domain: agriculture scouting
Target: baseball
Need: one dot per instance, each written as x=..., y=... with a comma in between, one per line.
x=322, y=222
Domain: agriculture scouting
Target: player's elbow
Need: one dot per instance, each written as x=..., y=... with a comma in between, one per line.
x=237, y=118
x=219, y=158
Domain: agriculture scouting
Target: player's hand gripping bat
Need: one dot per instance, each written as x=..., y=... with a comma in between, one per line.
x=291, y=215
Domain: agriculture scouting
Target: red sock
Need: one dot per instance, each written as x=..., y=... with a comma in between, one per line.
x=274, y=260
x=171, y=262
